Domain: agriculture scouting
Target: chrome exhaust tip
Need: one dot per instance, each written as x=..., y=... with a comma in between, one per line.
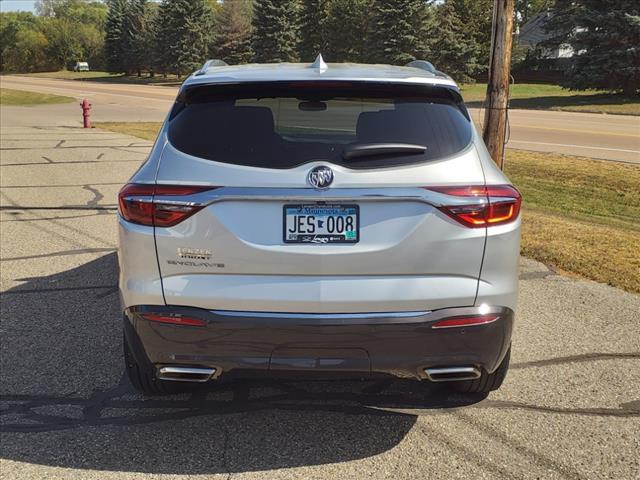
x=186, y=374
x=452, y=374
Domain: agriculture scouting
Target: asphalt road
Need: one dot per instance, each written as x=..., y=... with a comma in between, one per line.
x=609, y=137
x=570, y=407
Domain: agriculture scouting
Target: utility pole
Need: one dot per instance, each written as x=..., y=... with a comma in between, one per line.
x=495, y=115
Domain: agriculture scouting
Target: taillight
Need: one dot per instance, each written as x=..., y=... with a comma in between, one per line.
x=497, y=204
x=174, y=319
x=139, y=203
x=459, y=322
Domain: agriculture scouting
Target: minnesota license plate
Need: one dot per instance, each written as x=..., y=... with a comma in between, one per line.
x=321, y=223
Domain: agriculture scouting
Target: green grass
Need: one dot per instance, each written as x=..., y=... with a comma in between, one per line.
x=146, y=130
x=106, y=77
x=579, y=215
x=554, y=97
x=9, y=97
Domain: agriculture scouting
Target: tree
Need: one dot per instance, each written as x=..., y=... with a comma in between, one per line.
x=455, y=51
x=399, y=29
x=527, y=9
x=605, y=38
x=63, y=45
x=114, y=35
x=347, y=30
x=477, y=18
x=135, y=35
x=232, y=41
x=275, y=31
x=313, y=35
x=183, y=35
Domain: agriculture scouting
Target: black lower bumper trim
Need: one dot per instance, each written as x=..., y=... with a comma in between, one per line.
x=349, y=345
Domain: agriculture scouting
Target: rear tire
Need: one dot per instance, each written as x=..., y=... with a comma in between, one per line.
x=487, y=382
x=143, y=377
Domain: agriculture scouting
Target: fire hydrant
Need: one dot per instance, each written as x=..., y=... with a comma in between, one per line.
x=86, y=113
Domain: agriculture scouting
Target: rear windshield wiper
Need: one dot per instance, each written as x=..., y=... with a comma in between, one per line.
x=361, y=150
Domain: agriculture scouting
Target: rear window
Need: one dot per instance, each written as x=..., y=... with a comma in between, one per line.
x=289, y=124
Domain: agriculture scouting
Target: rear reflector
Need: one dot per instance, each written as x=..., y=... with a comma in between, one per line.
x=497, y=204
x=139, y=203
x=457, y=322
x=174, y=319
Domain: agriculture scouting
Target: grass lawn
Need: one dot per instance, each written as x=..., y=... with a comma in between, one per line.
x=106, y=77
x=579, y=215
x=20, y=97
x=554, y=97
x=146, y=130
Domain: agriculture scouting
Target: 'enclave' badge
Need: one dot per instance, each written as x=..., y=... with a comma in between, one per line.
x=320, y=177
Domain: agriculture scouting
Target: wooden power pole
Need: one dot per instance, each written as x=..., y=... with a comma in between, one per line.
x=495, y=115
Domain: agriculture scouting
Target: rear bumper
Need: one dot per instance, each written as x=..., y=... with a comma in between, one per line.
x=254, y=344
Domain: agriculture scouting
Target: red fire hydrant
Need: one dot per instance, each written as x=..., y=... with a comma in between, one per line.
x=86, y=113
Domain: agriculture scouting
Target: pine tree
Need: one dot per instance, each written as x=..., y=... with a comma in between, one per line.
x=133, y=35
x=477, y=18
x=275, y=30
x=114, y=35
x=183, y=35
x=455, y=51
x=232, y=42
x=399, y=29
x=605, y=38
x=313, y=35
x=347, y=29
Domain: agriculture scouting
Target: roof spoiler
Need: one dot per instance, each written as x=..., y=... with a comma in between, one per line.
x=428, y=67
x=214, y=62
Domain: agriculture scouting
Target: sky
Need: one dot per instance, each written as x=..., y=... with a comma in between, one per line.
x=17, y=5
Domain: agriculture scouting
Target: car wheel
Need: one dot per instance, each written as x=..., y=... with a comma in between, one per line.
x=487, y=382
x=143, y=376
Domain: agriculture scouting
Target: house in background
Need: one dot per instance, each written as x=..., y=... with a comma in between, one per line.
x=533, y=33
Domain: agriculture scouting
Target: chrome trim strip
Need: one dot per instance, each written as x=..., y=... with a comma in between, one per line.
x=415, y=194
x=321, y=316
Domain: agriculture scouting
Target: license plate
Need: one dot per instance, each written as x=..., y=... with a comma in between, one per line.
x=321, y=224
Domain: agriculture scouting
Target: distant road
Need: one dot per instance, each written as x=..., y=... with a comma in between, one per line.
x=607, y=137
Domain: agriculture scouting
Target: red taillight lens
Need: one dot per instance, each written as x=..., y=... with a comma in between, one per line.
x=458, y=322
x=174, y=319
x=498, y=204
x=139, y=203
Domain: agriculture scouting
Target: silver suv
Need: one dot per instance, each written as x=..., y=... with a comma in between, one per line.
x=318, y=219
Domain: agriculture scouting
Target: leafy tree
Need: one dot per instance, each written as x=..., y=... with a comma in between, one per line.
x=114, y=35
x=399, y=29
x=313, y=35
x=275, y=30
x=80, y=11
x=63, y=45
x=605, y=37
x=232, y=41
x=11, y=26
x=455, y=51
x=347, y=30
x=183, y=35
x=27, y=50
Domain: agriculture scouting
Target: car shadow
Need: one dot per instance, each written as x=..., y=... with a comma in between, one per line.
x=66, y=402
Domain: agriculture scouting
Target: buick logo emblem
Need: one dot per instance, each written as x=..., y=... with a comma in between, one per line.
x=320, y=177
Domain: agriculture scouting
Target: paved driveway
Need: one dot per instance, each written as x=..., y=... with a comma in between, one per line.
x=570, y=407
